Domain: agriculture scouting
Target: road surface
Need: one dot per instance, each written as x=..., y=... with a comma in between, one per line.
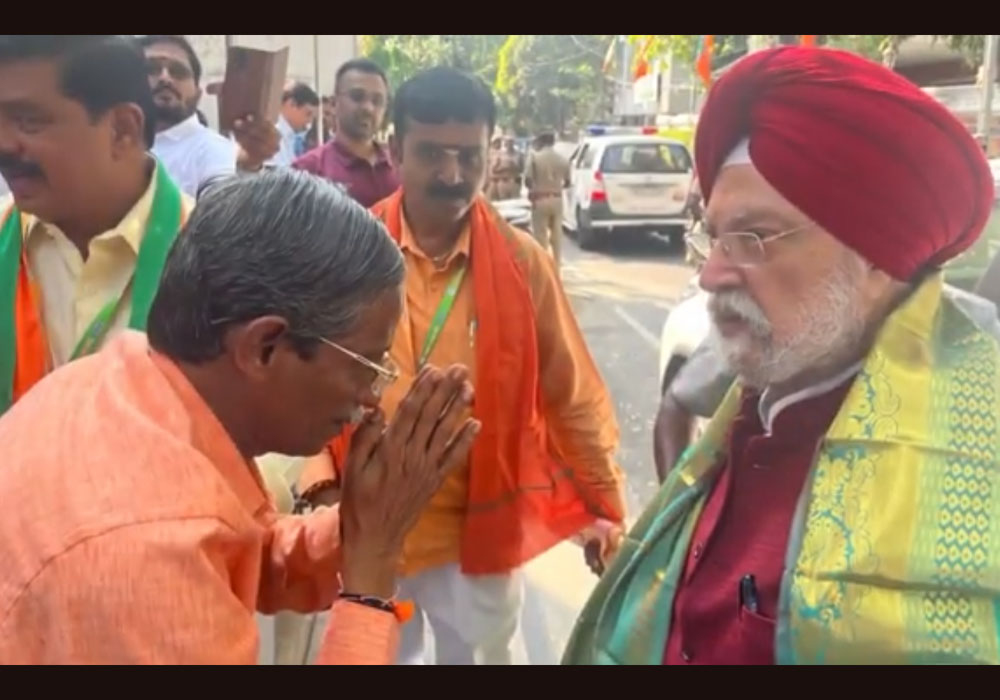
x=621, y=296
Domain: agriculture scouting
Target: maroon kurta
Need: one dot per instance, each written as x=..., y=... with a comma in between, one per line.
x=744, y=530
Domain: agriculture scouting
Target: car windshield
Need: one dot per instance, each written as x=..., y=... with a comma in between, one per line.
x=645, y=158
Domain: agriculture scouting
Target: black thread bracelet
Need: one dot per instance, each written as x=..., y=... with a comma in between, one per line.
x=370, y=601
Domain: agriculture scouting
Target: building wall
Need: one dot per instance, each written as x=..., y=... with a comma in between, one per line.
x=681, y=91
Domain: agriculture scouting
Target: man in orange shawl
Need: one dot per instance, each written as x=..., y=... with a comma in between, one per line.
x=137, y=528
x=484, y=295
x=91, y=217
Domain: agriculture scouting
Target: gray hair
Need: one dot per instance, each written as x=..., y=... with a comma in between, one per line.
x=281, y=243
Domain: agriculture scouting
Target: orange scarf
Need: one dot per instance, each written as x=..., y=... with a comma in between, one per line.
x=521, y=500
x=32, y=347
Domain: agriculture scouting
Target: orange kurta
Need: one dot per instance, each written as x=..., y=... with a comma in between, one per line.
x=582, y=427
x=135, y=532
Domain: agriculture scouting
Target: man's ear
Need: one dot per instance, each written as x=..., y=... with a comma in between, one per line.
x=128, y=127
x=252, y=345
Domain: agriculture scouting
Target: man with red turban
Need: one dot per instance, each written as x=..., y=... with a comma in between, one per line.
x=844, y=504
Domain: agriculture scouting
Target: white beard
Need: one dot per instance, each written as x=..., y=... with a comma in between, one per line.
x=830, y=325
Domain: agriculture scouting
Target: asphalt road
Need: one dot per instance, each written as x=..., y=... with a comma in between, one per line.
x=621, y=295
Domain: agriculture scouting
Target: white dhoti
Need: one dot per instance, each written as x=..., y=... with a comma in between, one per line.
x=472, y=619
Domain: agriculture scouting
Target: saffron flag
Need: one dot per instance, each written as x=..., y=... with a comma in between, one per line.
x=704, y=63
x=642, y=65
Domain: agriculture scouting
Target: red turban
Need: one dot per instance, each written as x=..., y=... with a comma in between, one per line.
x=862, y=151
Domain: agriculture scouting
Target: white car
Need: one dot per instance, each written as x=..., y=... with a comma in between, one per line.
x=627, y=183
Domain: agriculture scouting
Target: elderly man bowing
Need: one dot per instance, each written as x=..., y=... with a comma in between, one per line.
x=844, y=504
x=142, y=532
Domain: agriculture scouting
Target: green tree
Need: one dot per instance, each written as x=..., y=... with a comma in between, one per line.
x=685, y=47
x=553, y=80
x=885, y=47
x=880, y=47
x=404, y=55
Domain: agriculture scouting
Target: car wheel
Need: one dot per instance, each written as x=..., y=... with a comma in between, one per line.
x=675, y=239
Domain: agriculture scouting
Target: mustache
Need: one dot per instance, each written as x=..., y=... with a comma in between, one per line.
x=13, y=167
x=737, y=303
x=439, y=190
x=164, y=87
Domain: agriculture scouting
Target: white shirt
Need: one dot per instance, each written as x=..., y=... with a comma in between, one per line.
x=286, y=151
x=193, y=154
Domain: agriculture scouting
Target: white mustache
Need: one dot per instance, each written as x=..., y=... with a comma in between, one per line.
x=734, y=302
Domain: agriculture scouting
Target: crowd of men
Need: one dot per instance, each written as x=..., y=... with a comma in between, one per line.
x=177, y=304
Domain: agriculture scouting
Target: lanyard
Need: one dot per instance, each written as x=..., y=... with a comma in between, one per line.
x=92, y=337
x=441, y=315
x=161, y=229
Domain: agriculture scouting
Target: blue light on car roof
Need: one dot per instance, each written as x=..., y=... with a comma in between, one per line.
x=594, y=130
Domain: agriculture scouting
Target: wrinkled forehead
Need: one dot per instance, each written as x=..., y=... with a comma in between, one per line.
x=742, y=197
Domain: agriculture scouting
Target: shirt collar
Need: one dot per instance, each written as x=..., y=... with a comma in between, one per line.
x=181, y=131
x=131, y=228
x=407, y=242
x=284, y=127
x=768, y=409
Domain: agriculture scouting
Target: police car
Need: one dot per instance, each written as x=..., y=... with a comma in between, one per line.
x=625, y=181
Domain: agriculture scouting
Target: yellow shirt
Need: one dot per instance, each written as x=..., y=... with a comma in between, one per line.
x=74, y=290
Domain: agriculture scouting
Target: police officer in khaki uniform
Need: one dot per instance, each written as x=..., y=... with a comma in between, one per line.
x=506, y=166
x=546, y=174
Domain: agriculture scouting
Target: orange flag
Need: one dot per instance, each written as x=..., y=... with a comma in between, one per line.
x=808, y=39
x=704, y=63
x=642, y=65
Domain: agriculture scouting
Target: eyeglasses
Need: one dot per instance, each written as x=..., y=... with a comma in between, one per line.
x=178, y=71
x=743, y=248
x=385, y=374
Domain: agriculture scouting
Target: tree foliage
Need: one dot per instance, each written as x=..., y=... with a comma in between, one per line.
x=880, y=47
x=539, y=79
x=553, y=80
x=404, y=55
